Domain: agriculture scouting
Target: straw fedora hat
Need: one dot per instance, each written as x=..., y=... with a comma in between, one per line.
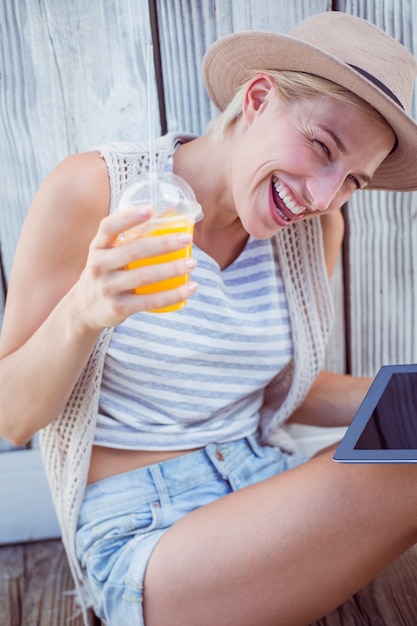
x=344, y=49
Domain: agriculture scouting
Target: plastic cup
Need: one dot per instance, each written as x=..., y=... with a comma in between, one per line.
x=175, y=210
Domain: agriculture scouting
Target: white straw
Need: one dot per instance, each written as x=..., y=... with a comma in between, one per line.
x=149, y=91
x=151, y=137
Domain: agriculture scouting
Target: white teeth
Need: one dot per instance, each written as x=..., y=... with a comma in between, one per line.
x=284, y=217
x=286, y=198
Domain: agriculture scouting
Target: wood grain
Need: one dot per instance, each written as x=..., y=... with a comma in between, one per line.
x=36, y=587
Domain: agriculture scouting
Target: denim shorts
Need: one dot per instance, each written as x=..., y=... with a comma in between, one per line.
x=123, y=517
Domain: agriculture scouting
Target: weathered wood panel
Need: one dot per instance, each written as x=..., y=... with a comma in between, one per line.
x=389, y=600
x=188, y=27
x=11, y=585
x=36, y=587
x=73, y=75
x=382, y=242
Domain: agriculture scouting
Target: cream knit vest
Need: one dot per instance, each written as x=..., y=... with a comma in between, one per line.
x=66, y=442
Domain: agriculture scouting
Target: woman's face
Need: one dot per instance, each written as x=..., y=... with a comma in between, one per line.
x=300, y=159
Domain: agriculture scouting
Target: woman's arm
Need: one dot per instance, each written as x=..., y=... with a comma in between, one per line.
x=43, y=346
x=332, y=400
x=67, y=285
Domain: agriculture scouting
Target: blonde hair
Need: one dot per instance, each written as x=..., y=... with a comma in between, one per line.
x=292, y=86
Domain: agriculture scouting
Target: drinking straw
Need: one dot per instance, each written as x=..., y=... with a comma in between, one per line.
x=150, y=116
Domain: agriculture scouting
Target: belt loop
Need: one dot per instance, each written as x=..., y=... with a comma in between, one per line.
x=256, y=447
x=160, y=485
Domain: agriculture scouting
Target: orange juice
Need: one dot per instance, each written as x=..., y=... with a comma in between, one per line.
x=175, y=210
x=177, y=225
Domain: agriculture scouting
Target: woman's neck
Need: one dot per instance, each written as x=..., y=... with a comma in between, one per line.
x=204, y=164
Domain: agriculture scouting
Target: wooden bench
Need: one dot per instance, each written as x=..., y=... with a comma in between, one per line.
x=35, y=589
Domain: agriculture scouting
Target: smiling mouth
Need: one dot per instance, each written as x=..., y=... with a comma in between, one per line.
x=285, y=205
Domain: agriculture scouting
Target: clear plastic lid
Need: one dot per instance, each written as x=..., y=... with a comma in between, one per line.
x=167, y=193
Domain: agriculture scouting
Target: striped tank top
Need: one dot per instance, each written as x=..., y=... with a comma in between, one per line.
x=183, y=379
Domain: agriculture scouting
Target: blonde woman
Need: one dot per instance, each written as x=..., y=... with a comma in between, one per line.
x=180, y=499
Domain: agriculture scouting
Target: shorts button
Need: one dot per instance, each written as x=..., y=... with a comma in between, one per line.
x=219, y=455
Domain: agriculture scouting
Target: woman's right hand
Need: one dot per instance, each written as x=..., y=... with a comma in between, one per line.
x=106, y=287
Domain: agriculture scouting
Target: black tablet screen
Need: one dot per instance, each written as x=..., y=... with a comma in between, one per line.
x=393, y=423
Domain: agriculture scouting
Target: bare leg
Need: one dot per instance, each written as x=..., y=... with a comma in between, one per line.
x=286, y=551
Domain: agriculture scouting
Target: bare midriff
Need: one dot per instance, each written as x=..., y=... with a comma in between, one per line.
x=106, y=462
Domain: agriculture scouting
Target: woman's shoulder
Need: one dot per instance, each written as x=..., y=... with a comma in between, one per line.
x=78, y=182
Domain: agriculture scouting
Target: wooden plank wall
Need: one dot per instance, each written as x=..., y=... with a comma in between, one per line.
x=381, y=248
x=72, y=76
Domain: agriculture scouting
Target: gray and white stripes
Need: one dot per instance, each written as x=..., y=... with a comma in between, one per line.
x=180, y=380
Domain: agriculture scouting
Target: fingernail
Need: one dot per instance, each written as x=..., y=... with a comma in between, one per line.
x=185, y=238
x=192, y=286
x=144, y=210
x=190, y=263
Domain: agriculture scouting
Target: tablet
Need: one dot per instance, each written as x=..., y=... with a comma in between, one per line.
x=384, y=429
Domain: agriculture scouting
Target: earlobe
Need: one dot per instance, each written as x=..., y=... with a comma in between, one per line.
x=256, y=96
